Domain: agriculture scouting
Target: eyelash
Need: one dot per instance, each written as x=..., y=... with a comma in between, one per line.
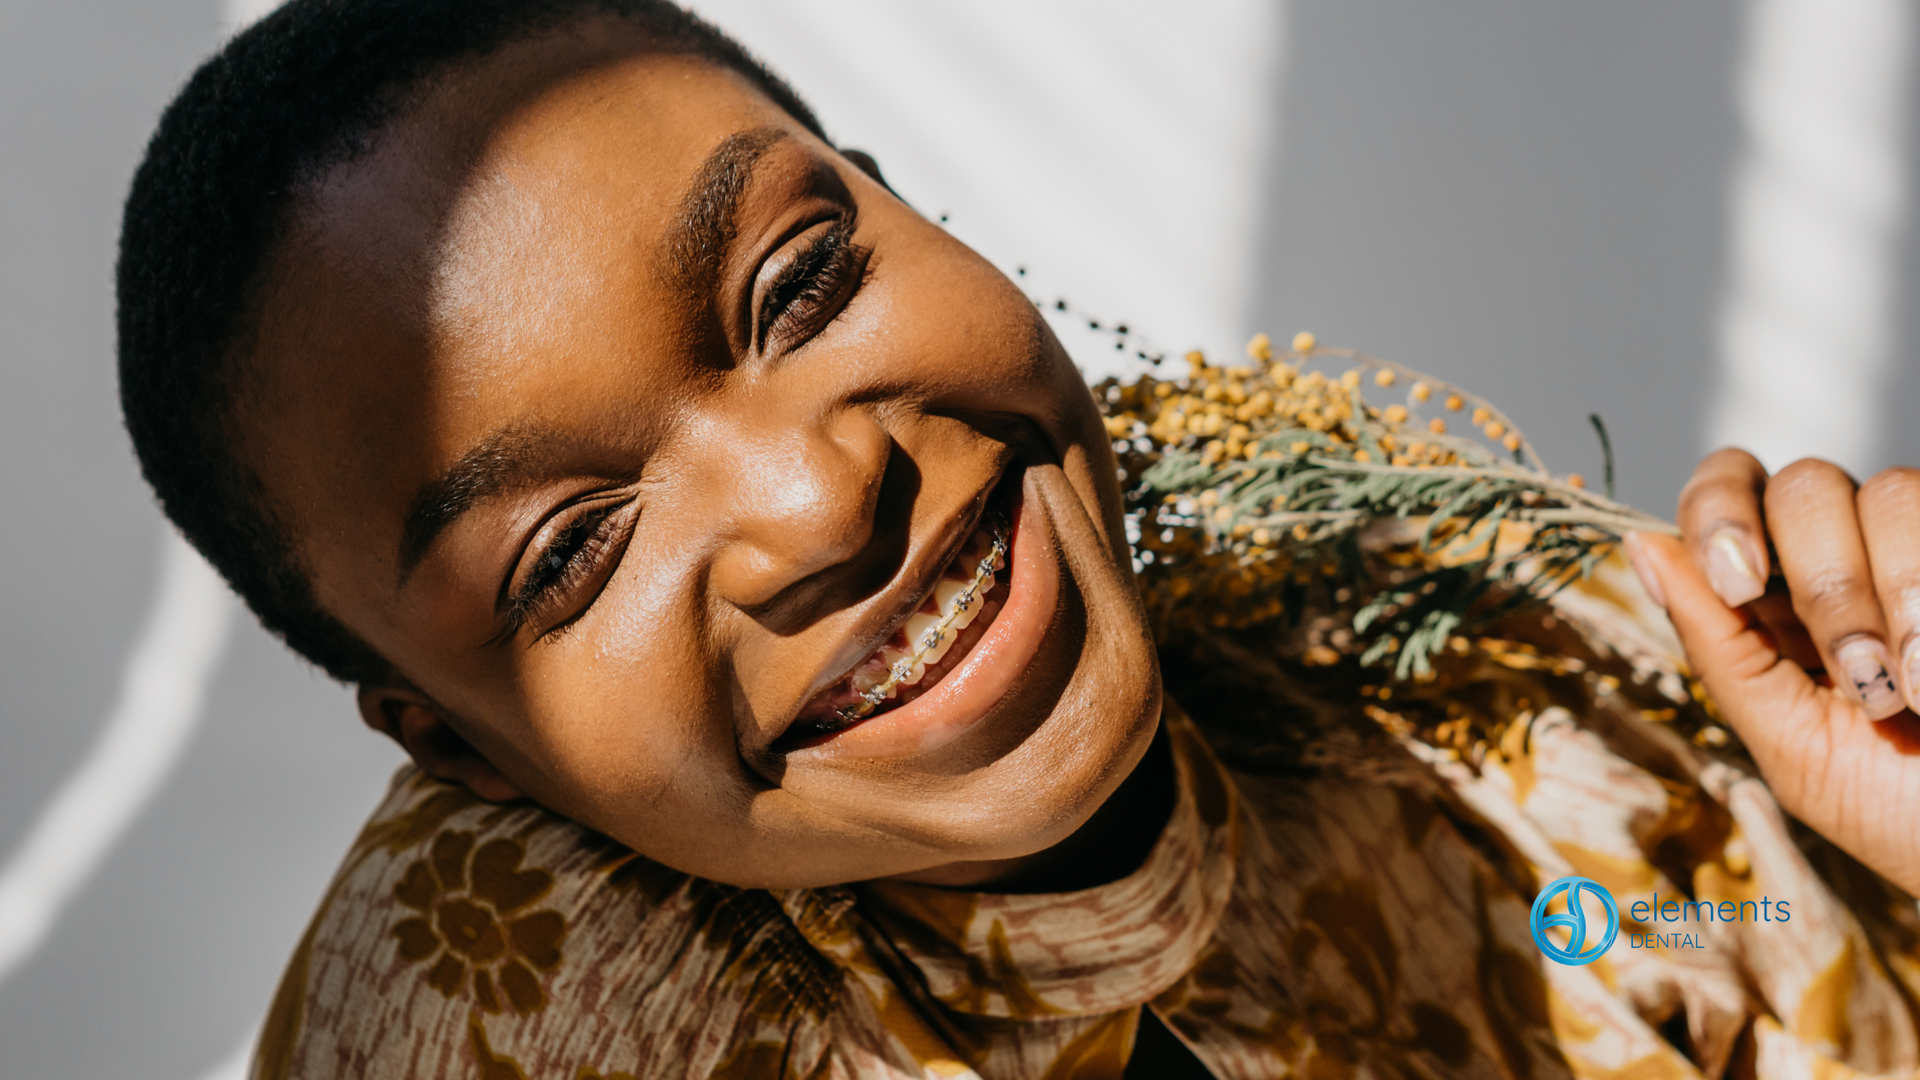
x=560, y=567
x=814, y=278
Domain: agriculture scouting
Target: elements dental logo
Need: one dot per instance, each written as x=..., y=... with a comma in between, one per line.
x=1574, y=952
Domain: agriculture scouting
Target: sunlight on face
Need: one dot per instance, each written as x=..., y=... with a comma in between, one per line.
x=637, y=427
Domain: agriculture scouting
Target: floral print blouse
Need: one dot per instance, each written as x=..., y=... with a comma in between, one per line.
x=1363, y=914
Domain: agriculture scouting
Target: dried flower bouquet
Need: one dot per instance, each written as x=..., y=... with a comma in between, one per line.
x=1291, y=533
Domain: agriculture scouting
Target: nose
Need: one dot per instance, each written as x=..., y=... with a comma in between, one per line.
x=804, y=500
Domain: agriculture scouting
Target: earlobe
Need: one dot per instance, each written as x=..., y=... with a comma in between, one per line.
x=413, y=720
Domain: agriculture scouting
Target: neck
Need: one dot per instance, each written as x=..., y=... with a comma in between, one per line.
x=1113, y=843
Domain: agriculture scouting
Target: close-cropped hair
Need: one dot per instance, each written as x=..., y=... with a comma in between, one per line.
x=302, y=91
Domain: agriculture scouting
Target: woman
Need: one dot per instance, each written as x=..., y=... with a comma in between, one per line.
x=743, y=565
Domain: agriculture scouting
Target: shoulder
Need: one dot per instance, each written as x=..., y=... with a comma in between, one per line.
x=461, y=936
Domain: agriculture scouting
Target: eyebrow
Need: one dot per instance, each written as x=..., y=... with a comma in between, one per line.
x=507, y=459
x=696, y=246
x=705, y=227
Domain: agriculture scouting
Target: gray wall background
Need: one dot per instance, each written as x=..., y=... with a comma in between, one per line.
x=1525, y=198
x=164, y=962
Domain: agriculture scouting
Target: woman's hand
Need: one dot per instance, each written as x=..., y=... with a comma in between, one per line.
x=1815, y=668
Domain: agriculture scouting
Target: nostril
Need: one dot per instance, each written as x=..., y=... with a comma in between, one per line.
x=817, y=525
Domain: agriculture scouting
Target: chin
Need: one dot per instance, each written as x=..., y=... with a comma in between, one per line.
x=1076, y=725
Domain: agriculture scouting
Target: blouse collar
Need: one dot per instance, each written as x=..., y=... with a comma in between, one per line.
x=1111, y=947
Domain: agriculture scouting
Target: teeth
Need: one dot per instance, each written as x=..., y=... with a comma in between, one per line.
x=903, y=667
x=923, y=631
x=929, y=637
x=960, y=600
x=866, y=677
x=932, y=635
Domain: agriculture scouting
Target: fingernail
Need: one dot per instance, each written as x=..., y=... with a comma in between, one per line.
x=1864, y=660
x=1729, y=571
x=1913, y=674
x=1650, y=581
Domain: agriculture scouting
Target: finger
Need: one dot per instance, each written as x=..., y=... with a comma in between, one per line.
x=1889, y=508
x=1816, y=534
x=1722, y=518
x=1774, y=614
x=1758, y=690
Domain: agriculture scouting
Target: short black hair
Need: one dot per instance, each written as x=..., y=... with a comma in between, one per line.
x=302, y=91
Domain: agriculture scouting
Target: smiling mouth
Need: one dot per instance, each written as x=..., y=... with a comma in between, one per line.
x=950, y=620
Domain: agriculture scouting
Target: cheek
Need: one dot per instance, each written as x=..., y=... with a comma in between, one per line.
x=622, y=710
x=983, y=336
x=937, y=313
x=1093, y=472
x=968, y=338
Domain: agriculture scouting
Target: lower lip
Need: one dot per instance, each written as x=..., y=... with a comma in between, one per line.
x=962, y=700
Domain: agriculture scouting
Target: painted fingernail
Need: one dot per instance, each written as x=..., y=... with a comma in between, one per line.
x=1650, y=581
x=1728, y=569
x=1865, y=662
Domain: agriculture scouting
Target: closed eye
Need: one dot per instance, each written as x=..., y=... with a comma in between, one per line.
x=566, y=568
x=812, y=287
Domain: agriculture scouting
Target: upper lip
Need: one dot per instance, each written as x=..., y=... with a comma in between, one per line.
x=891, y=608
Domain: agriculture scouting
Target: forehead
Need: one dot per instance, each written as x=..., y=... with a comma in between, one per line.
x=510, y=170
x=426, y=283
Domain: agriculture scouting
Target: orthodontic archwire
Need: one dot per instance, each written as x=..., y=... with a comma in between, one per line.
x=981, y=582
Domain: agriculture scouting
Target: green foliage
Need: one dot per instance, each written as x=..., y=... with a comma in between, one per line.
x=1239, y=528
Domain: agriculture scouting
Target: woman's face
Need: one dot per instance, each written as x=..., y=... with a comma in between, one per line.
x=640, y=430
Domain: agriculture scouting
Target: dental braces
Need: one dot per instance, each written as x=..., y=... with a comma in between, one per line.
x=981, y=584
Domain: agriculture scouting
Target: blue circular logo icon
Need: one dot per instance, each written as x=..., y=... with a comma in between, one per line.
x=1574, y=952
